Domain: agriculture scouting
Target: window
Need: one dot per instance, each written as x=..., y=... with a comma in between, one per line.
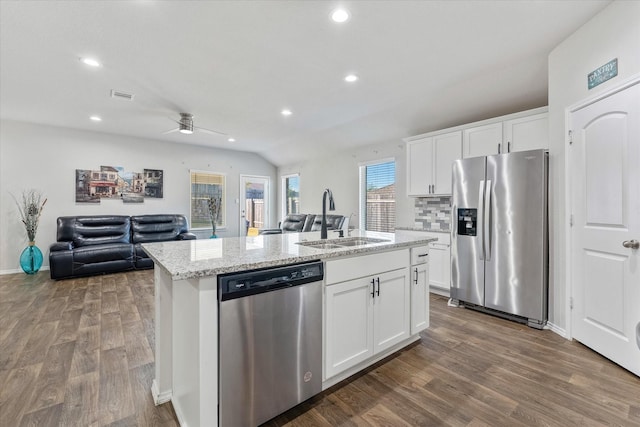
x=203, y=186
x=290, y=194
x=378, y=196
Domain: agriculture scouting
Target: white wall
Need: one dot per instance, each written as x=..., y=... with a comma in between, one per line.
x=339, y=172
x=45, y=158
x=613, y=33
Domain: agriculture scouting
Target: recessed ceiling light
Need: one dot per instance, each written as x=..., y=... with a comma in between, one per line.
x=90, y=62
x=231, y=140
x=286, y=112
x=340, y=15
x=95, y=118
x=351, y=78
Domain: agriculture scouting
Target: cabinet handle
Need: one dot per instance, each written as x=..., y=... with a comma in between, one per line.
x=415, y=279
x=373, y=288
x=508, y=146
x=378, y=292
x=422, y=255
x=499, y=148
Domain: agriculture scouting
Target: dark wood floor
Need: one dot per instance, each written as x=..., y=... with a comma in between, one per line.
x=80, y=353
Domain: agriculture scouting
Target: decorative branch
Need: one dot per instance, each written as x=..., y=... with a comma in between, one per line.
x=215, y=206
x=30, y=210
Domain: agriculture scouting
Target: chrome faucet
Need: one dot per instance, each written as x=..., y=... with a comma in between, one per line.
x=332, y=207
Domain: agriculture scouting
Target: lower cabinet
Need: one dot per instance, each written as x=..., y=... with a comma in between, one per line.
x=420, y=293
x=365, y=316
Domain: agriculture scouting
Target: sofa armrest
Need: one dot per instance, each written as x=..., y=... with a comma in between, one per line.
x=187, y=236
x=61, y=246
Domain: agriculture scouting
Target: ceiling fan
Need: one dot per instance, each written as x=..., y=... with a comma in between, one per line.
x=185, y=125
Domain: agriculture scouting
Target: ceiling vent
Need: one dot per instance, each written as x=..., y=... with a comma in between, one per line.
x=121, y=95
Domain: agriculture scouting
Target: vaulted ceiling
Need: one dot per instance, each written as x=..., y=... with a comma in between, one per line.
x=235, y=65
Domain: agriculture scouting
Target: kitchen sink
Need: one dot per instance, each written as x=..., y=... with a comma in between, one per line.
x=319, y=245
x=342, y=242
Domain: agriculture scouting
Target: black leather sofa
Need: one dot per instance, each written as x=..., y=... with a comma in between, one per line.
x=297, y=223
x=98, y=244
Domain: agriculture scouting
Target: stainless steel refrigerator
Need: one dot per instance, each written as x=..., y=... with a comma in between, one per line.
x=499, y=244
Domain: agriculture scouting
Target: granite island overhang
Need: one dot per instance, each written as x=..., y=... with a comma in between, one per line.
x=186, y=302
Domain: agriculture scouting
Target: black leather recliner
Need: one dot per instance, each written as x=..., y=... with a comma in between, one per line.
x=296, y=223
x=99, y=244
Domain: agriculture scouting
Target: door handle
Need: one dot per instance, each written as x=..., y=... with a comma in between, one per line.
x=378, y=280
x=631, y=244
x=415, y=279
x=373, y=288
x=487, y=221
x=480, y=221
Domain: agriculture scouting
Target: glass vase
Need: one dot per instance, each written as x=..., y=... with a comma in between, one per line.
x=31, y=259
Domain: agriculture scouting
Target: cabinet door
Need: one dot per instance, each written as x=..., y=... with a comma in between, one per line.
x=527, y=133
x=391, y=309
x=482, y=140
x=439, y=269
x=447, y=148
x=419, y=298
x=348, y=325
x=419, y=167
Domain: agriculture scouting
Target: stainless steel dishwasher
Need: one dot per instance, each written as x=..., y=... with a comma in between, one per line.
x=270, y=341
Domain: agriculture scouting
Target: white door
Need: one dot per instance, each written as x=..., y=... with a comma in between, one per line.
x=419, y=298
x=254, y=202
x=447, y=149
x=391, y=309
x=348, y=325
x=482, y=140
x=419, y=167
x=605, y=204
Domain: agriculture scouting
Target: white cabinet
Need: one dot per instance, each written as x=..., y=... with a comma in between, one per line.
x=429, y=163
x=440, y=264
x=482, y=140
x=528, y=130
x=419, y=289
x=527, y=133
x=368, y=314
x=439, y=270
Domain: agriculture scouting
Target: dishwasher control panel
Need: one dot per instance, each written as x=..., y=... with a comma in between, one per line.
x=236, y=285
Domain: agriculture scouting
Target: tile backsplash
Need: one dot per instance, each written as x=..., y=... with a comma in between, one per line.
x=433, y=213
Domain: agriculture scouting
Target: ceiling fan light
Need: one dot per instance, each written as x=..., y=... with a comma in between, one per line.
x=186, y=131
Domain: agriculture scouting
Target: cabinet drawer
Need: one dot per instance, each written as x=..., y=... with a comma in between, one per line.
x=420, y=255
x=344, y=269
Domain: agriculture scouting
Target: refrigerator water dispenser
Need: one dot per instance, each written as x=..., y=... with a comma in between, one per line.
x=467, y=221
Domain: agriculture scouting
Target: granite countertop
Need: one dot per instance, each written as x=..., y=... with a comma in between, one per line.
x=187, y=259
x=426, y=230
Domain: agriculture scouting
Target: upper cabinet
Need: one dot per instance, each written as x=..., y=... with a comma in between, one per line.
x=528, y=130
x=429, y=163
x=430, y=155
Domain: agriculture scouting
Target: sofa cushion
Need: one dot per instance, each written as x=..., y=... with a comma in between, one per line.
x=334, y=222
x=157, y=228
x=294, y=222
x=94, y=230
x=103, y=253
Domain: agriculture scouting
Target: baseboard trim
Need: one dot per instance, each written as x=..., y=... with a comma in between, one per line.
x=558, y=330
x=19, y=270
x=159, y=398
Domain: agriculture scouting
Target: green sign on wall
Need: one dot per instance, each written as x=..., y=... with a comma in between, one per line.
x=602, y=74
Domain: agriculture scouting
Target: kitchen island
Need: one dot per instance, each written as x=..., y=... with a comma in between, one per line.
x=186, y=312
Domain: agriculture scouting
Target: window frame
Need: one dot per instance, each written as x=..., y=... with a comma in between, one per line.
x=362, y=188
x=222, y=225
x=283, y=193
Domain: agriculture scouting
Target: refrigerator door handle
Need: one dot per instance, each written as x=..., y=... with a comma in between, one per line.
x=486, y=218
x=480, y=221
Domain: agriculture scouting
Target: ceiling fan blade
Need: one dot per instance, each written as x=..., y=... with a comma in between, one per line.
x=209, y=131
x=171, y=131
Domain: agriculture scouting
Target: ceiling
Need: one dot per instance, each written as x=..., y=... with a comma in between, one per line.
x=234, y=65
